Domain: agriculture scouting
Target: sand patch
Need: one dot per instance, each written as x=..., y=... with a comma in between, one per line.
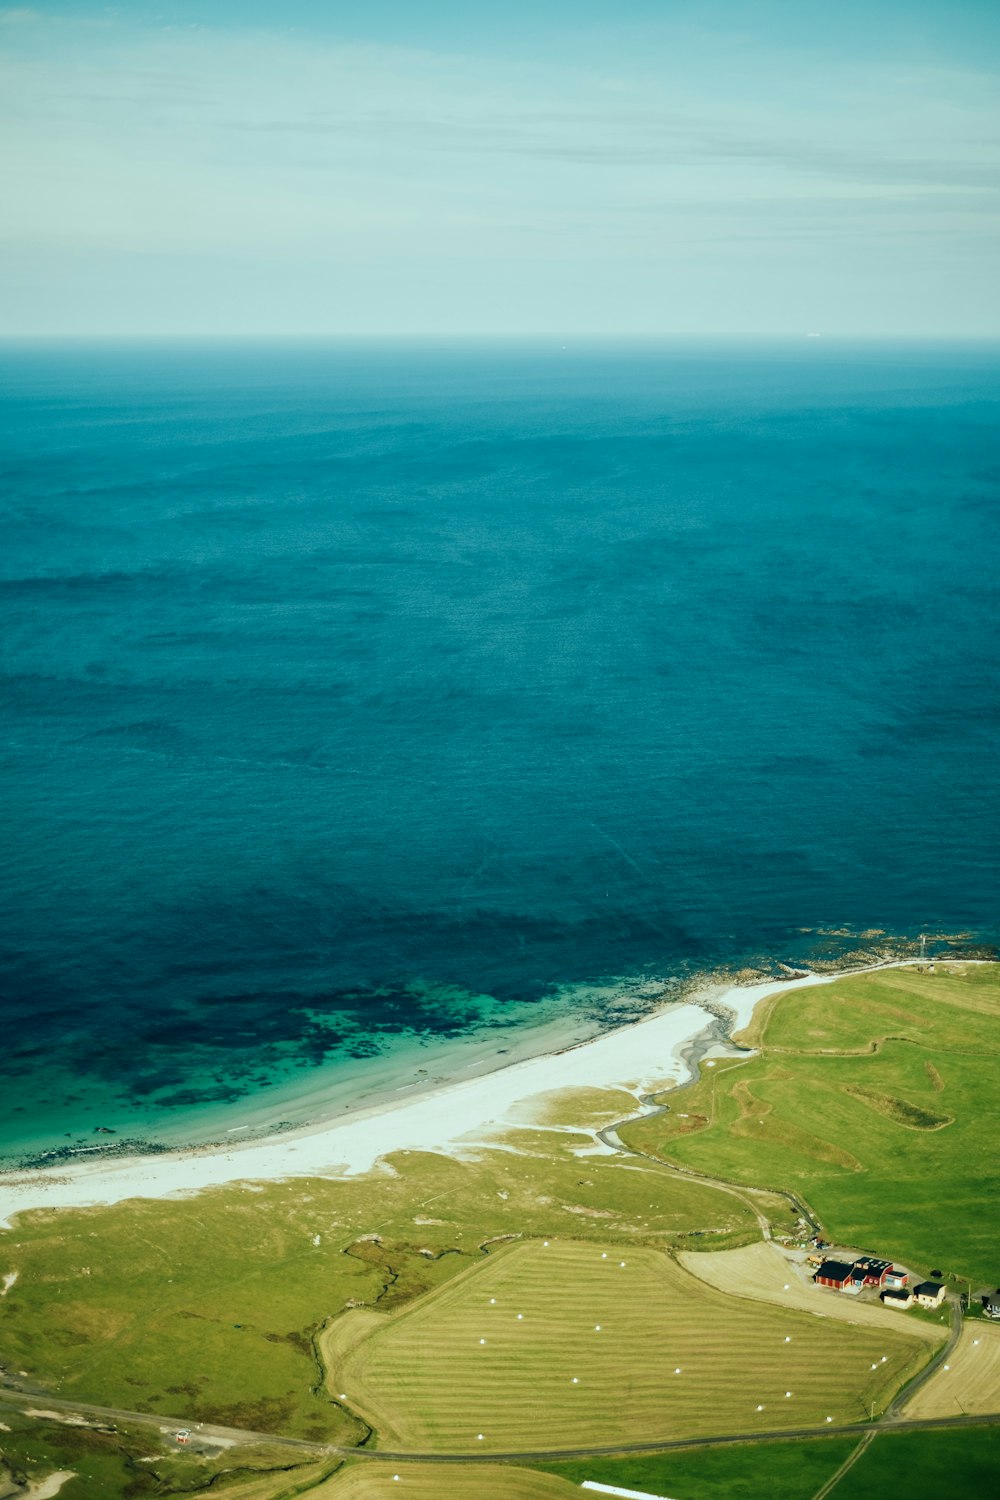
x=68, y=1419
x=44, y=1489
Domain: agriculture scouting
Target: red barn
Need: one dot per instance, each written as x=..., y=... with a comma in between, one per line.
x=872, y=1272
x=835, y=1273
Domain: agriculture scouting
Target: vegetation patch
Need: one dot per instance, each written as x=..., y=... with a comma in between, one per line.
x=900, y=1110
x=936, y=1081
x=757, y=1122
x=118, y=1460
x=926, y=1196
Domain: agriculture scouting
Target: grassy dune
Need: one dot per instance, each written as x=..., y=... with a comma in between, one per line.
x=876, y=1098
x=460, y=1361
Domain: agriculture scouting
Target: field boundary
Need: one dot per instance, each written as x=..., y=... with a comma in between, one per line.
x=15, y=1398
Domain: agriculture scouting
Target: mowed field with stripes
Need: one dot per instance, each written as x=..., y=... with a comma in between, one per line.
x=969, y=1384
x=409, y=1481
x=559, y=1344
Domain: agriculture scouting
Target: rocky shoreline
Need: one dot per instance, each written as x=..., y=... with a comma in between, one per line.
x=127, y=1146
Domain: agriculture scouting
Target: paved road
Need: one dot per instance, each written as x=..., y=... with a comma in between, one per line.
x=208, y=1431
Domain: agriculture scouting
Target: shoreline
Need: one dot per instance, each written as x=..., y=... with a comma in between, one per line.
x=406, y=1066
x=87, y=1123
x=454, y=1116
x=316, y=1103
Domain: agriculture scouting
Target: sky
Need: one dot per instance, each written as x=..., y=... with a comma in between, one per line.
x=600, y=168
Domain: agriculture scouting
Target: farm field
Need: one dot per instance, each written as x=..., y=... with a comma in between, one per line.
x=205, y=1308
x=761, y=1271
x=961, y=1465
x=567, y=1343
x=409, y=1481
x=971, y=1384
x=875, y=1098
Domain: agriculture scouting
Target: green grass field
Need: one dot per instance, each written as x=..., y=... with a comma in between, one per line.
x=772, y=1471
x=875, y=1097
x=206, y=1308
x=548, y=1346
x=918, y=1465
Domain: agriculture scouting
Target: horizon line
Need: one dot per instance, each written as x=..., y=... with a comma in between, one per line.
x=498, y=336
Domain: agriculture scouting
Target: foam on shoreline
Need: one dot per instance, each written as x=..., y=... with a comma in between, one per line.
x=640, y=1057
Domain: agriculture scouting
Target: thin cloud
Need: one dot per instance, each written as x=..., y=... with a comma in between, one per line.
x=385, y=180
x=655, y=144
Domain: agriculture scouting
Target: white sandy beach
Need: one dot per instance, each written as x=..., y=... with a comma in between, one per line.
x=639, y=1058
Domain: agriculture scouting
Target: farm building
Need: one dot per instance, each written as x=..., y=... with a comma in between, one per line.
x=991, y=1305
x=851, y=1278
x=873, y=1272
x=836, y=1273
x=895, y=1279
x=901, y=1299
x=929, y=1293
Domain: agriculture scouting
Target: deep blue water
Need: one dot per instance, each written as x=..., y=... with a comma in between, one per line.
x=352, y=692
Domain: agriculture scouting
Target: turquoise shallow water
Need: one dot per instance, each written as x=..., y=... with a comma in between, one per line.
x=359, y=699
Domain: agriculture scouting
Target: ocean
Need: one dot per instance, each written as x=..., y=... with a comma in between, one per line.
x=368, y=704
